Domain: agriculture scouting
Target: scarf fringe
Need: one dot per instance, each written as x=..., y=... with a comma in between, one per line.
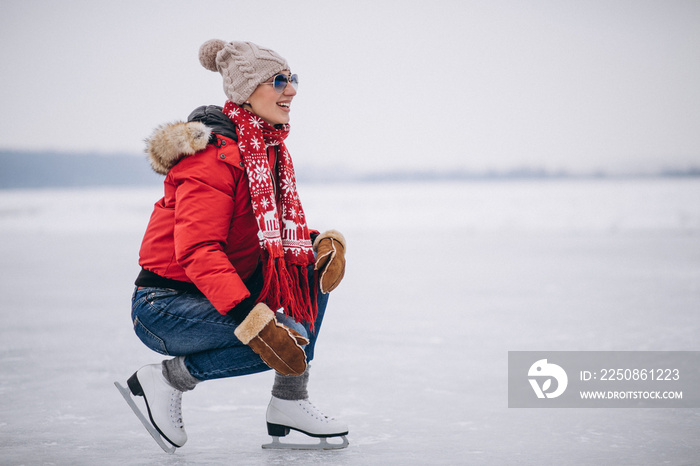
x=287, y=286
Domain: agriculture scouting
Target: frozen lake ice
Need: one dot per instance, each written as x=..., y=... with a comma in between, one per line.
x=443, y=280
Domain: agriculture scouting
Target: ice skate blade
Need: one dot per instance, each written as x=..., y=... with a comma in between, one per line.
x=322, y=445
x=146, y=423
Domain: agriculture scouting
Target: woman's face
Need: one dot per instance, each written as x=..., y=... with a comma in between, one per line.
x=272, y=107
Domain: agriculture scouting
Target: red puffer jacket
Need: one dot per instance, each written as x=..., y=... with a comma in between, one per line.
x=203, y=231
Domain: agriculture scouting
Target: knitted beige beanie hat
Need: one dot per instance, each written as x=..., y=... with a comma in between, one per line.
x=243, y=66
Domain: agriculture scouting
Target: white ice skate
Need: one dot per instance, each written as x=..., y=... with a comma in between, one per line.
x=164, y=405
x=302, y=416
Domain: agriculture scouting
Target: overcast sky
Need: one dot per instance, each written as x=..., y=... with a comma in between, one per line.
x=575, y=85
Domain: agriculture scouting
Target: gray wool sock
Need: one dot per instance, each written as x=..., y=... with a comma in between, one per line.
x=177, y=375
x=291, y=387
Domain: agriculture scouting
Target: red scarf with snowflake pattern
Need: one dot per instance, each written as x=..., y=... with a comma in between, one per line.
x=283, y=233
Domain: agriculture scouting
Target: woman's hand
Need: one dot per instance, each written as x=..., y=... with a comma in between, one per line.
x=277, y=345
x=330, y=259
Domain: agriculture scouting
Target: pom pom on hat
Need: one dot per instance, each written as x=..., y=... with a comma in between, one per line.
x=208, y=52
x=243, y=65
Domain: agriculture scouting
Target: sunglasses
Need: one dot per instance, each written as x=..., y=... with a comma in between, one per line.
x=280, y=82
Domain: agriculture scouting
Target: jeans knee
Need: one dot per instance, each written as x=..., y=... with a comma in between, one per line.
x=291, y=323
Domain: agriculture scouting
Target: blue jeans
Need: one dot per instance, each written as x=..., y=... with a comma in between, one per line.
x=178, y=323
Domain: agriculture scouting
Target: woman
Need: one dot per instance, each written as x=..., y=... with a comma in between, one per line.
x=227, y=246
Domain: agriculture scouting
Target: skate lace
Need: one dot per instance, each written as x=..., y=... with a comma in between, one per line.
x=176, y=409
x=310, y=408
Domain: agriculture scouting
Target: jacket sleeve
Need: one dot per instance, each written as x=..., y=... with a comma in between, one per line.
x=204, y=201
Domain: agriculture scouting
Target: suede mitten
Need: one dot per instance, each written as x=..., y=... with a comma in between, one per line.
x=277, y=345
x=330, y=259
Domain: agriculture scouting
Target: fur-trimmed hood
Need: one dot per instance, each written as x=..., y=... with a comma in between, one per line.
x=171, y=142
